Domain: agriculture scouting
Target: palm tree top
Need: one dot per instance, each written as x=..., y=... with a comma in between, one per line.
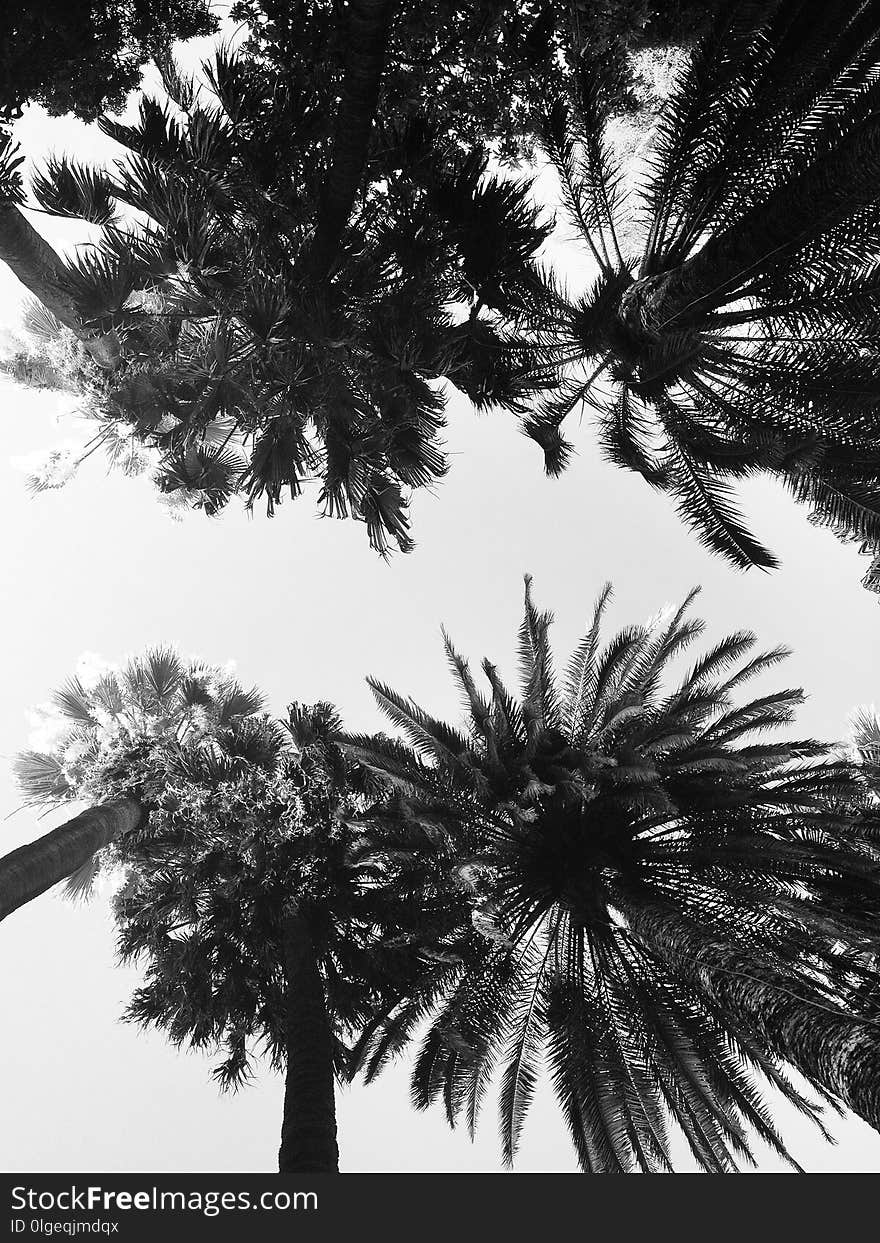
x=252, y=825
x=104, y=726
x=608, y=826
x=614, y=700
x=260, y=347
x=732, y=332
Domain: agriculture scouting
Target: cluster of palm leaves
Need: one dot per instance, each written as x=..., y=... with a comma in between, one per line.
x=106, y=732
x=250, y=824
x=666, y=909
x=613, y=880
x=254, y=367
x=262, y=930
x=731, y=328
x=620, y=879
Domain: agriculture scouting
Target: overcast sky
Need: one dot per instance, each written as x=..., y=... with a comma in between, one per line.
x=307, y=610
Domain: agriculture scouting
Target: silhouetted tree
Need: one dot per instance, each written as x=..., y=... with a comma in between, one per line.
x=85, y=56
x=662, y=908
x=733, y=332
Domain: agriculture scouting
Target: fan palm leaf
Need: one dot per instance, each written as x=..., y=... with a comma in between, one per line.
x=110, y=725
x=283, y=285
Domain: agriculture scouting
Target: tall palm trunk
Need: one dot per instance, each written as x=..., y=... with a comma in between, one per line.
x=30, y=870
x=36, y=265
x=369, y=29
x=308, y=1131
x=831, y=1049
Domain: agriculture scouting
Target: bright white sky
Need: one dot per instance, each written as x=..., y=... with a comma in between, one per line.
x=307, y=611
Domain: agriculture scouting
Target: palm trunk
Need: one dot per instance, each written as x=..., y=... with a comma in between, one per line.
x=836, y=1051
x=36, y=265
x=369, y=29
x=308, y=1131
x=31, y=870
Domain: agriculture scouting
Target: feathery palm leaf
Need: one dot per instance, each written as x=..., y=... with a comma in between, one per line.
x=738, y=333
x=600, y=834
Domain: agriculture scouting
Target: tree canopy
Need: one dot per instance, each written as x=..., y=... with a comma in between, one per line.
x=666, y=908
x=263, y=931
x=322, y=251
x=86, y=56
x=730, y=327
x=246, y=353
x=245, y=829
x=612, y=874
x=614, y=877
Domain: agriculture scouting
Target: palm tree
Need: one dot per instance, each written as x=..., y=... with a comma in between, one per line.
x=241, y=887
x=662, y=909
x=368, y=26
x=731, y=328
x=259, y=928
x=109, y=731
x=274, y=326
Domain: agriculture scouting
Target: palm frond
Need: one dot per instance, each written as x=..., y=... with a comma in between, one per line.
x=74, y=191
x=680, y=904
x=41, y=778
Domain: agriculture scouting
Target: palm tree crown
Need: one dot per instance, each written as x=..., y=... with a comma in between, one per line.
x=252, y=363
x=732, y=330
x=261, y=928
x=106, y=730
x=250, y=826
x=647, y=887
